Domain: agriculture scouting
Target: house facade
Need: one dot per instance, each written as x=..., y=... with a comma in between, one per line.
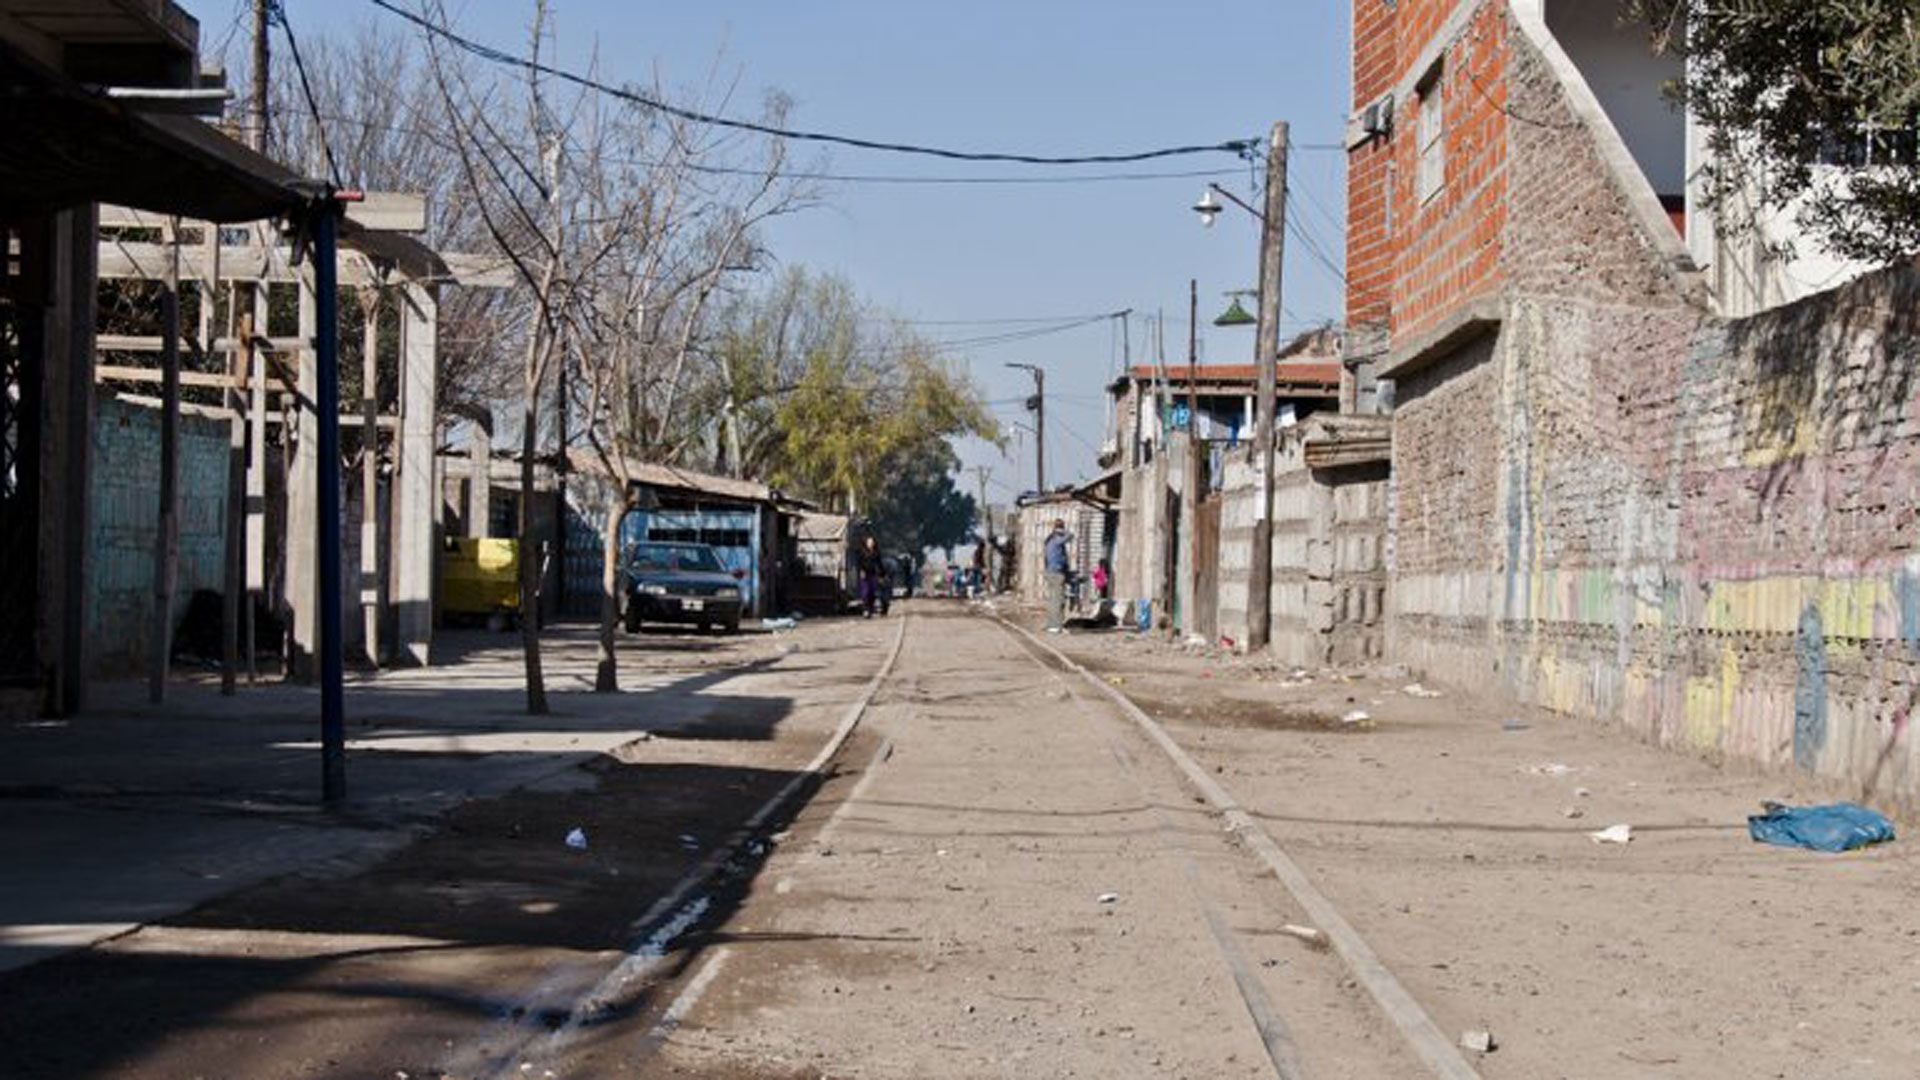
x=1629, y=479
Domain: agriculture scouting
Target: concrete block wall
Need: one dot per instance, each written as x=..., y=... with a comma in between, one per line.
x=125, y=497
x=1329, y=572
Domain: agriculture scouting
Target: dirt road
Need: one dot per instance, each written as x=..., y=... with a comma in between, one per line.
x=1004, y=875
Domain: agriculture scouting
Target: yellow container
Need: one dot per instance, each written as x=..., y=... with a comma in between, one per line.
x=479, y=577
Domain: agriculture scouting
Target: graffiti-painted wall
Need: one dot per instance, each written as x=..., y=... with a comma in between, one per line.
x=1707, y=529
x=125, y=503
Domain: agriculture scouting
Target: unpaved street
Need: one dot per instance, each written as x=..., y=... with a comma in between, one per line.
x=1003, y=874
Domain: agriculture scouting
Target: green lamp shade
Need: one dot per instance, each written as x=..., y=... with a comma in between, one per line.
x=1235, y=315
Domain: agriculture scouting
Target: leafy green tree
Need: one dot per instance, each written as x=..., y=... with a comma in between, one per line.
x=820, y=398
x=919, y=508
x=1783, y=85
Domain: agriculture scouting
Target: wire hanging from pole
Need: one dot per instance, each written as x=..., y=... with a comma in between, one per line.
x=507, y=59
x=277, y=14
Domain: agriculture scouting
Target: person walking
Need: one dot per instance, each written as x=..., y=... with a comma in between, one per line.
x=1058, y=565
x=872, y=572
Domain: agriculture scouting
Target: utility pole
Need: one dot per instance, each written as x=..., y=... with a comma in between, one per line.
x=1266, y=352
x=986, y=530
x=1038, y=405
x=1190, y=506
x=262, y=57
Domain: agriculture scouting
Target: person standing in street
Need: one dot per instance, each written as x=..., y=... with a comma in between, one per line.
x=872, y=572
x=1058, y=566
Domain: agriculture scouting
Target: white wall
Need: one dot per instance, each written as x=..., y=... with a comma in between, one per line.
x=1622, y=70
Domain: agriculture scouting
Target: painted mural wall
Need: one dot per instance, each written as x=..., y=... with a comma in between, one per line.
x=1706, y=529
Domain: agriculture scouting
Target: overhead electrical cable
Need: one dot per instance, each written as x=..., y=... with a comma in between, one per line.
x=1237, y=147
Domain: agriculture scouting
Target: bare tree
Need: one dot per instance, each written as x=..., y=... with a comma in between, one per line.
x=674, y=212
x=514, y=178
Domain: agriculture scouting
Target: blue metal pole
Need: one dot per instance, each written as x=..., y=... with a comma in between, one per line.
x=333, y=731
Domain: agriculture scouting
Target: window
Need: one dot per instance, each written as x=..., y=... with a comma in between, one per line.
x=1432, y=137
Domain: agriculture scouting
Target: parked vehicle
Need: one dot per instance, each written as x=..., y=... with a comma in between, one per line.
x=680, y=583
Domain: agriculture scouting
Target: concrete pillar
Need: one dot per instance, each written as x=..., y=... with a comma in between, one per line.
x=479, y=482
x=302, y=496
x=370, y=606
x=415, y=492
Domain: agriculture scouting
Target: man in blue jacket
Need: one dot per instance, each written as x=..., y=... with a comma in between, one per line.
x=1058, y=565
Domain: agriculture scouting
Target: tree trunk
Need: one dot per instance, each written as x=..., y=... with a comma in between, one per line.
x=530, y=561
x=606, y=676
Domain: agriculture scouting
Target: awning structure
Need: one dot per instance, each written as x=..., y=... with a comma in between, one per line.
x=71, y=145
x=1102, y=491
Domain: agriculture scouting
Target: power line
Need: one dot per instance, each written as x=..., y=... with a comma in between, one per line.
x=839, y=178
x=277, y=13
x=1238, y=147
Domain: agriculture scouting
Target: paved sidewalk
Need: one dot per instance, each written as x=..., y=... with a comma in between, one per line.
x=134, y=811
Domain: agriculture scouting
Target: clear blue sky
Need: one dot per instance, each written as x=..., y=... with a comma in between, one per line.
x=1051, y=77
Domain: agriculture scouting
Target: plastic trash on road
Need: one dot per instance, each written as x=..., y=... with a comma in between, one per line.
x=577, y=839
x=784, y=622
x=1613, y=834
x=1839, y=827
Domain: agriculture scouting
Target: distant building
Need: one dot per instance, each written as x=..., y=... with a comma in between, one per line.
x=1149, y=402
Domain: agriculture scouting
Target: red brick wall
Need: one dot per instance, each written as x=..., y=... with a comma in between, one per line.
x=1440, y=252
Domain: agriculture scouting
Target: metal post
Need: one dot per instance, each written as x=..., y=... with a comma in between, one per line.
x=1266, y=352
x=370, y=475
x=333, y=741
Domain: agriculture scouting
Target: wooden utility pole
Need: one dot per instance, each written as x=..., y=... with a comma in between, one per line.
x=262, y=57
x=1266, y=353
x=1190, y=505
x=986, y=529
x=166, y=544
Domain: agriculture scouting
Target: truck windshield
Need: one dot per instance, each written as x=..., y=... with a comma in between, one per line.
x=668, y=558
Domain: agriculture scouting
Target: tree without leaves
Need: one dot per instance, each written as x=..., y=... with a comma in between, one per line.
x=666, y=236
x=1782, y=85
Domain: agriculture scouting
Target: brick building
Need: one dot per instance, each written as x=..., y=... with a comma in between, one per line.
x=1637, y=473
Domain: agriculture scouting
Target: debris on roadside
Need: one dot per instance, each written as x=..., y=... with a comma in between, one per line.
x=1573, y=812
x=1416, y=690
x=1315, y=938
x=1613, y=834
x=1107, y=898
x=689, y=842
x=784, y=622
x=1834, y=828
x=1480, y=1042
x=1360, y=718
x=1513, y=723
x=577, y=838
x=1551, y=768
x=1581, y=793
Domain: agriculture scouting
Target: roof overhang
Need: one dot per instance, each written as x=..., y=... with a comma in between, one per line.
x=75, y=146
x=1102, y=491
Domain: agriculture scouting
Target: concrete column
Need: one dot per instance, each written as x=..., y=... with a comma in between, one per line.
x=479, y=482
x=302, y=495
x=415, y=493
x=256, y=360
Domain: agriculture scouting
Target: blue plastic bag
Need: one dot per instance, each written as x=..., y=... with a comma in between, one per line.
x=1840, y=827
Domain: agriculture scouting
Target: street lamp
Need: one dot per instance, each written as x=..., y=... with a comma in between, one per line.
x=1266, y=352
x=1037, y=404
